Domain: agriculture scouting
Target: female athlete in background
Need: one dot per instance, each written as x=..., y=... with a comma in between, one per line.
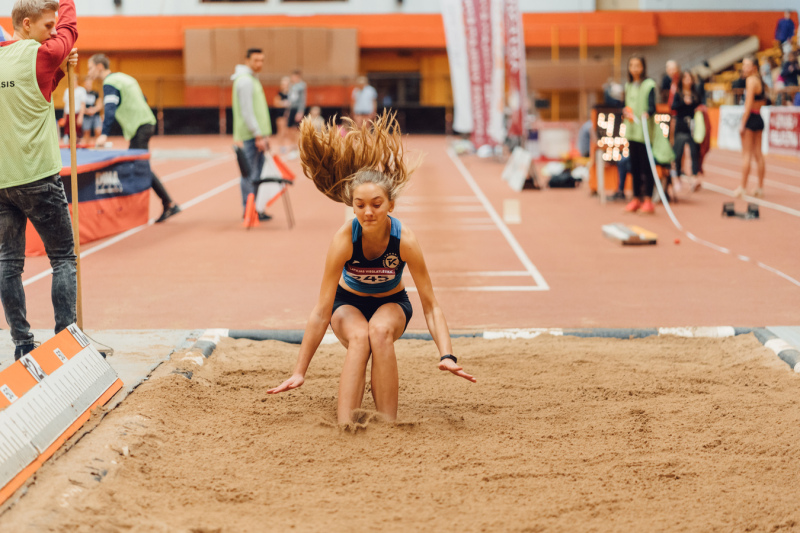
x=362, y=295
x=752, y=126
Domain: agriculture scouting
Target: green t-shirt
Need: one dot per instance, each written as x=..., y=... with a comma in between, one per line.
x=133, y=111
x=28, y=132
x=240, y=130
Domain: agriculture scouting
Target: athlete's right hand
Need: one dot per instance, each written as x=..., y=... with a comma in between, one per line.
x=292, y=383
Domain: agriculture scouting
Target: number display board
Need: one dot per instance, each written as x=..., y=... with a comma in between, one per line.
x=610, y=132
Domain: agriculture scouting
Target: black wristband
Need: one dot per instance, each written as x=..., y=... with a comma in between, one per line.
x=449, y=356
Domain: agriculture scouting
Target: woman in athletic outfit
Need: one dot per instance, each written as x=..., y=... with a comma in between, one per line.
x=752, y=126
x=362, y=296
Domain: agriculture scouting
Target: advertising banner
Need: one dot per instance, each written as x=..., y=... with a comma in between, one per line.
x=497, y=101
x=515, y=65
x=783, y=135
x=478, y=25
x=453, y=18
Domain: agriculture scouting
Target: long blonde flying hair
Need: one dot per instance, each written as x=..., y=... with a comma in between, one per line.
x=370, y=153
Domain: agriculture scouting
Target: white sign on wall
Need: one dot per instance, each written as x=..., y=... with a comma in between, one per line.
x=730, y=118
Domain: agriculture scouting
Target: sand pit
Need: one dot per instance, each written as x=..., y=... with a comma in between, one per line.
x=559, y=434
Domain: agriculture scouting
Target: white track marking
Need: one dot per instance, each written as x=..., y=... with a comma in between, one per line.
x=738, y=175
x=490, y=288
x=133, y=231
x=512, y=241
x=751, y=199
x=196, y=168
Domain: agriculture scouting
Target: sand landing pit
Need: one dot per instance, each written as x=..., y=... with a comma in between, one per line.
x=559, y=434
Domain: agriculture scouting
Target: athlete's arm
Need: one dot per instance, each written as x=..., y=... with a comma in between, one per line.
x=339, y=252
x=411, y=253
x=53, y=52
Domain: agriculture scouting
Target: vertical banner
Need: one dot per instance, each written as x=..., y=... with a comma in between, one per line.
x=453, y=18
x=515, y=64
x=783, y=134
x=497, y=101
x=478, y=26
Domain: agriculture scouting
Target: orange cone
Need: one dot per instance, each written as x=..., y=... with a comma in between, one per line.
x=250, y=214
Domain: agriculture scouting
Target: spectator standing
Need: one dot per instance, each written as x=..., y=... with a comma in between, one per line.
x=30, y=188
x=784, y=31
x=669, y=83
x=92, y=123
x=752, y=127
x=790, y=70
x=125, y=103
x=281, y=103
x=640, y=101
x=684, y=106
x=363, y=101
x=80, y=110
x=251, y=122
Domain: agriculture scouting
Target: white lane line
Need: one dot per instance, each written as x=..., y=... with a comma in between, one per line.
x=133, y=231
x=196, y=168
x=512, y=241
x=434, y=207
x=436, y=199
x=758, y=201
x=738, y=175
x=489, y=288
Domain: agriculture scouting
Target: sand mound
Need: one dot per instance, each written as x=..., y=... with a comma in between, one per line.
x=558, y=434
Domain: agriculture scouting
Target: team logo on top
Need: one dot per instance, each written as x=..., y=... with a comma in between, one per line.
x=391, y=261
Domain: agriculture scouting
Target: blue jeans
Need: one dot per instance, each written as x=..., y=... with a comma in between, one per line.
x=623, y=167
x=44, y=203
x=255, y=158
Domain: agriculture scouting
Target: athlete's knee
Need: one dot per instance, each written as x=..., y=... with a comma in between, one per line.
x=381, y=333
x=358, y=337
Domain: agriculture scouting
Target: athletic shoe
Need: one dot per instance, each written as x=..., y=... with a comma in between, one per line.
x=168, y=212
x=264, y=216
x=23, y=349
x=619, y=196
x=696, y=184
x=759, y=192
x=738, y=192
x=647, y=207
x=677, y=183
x=633, y=206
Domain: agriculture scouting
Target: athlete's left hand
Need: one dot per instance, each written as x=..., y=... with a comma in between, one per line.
x=451, y=366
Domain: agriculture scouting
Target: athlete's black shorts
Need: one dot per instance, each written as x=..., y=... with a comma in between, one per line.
x=754, y=122
x=368, y=305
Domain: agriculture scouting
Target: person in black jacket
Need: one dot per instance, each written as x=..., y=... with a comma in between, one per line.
x=684, y=106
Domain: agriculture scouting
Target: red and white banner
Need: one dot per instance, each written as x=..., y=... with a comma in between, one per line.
x=478, y=26
x=453, y=18
x=497, y=99
x=783, y=131
x=515, y=66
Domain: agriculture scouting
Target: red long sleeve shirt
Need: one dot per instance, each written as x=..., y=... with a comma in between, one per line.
x=54, y=51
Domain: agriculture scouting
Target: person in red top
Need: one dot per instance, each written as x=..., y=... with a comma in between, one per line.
x=57, y=39
x=41, y=200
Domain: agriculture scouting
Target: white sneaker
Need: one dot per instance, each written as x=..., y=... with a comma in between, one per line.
x=739, y=192
x=758, y=192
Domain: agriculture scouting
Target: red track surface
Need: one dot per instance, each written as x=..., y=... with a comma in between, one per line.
x=202, y=269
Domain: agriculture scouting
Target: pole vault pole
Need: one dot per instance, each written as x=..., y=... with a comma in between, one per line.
x=74, y=182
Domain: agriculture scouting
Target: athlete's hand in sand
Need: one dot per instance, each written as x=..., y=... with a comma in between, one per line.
x=292, y=383
x=450, y=365
x=72, y=59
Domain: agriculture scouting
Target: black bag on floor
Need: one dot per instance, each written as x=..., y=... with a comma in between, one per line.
x=562, y=181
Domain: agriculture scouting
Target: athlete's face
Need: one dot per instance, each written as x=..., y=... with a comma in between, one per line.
x=371, y=204
x=42, y=28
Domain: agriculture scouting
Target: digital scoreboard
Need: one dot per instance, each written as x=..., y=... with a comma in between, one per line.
x=610, y=132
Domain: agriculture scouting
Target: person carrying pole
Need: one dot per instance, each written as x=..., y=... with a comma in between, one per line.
x=124, y=102
x=31, y=65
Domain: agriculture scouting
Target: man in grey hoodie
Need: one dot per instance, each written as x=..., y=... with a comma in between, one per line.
x=251, y=122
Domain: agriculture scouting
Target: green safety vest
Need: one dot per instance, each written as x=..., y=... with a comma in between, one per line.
x=133, y=111
x=637, y=99
x=240, y=130
x=28, y=132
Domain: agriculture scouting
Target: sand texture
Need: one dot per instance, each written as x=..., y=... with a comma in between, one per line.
x=559, y=434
